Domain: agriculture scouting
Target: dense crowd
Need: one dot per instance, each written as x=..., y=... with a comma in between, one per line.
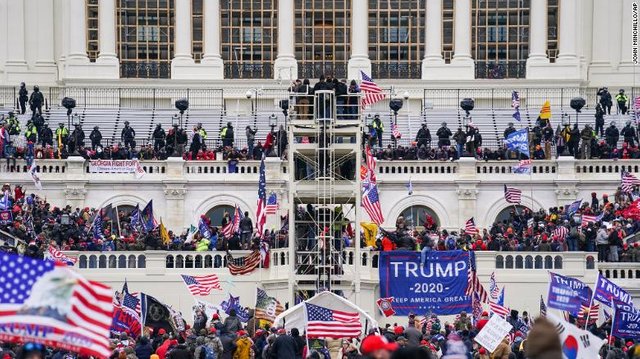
x=424, y=338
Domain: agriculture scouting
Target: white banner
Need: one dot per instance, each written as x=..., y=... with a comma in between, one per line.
x=117, y=166
x=493, y=332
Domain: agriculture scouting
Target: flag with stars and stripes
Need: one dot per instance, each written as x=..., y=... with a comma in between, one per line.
x=371, y=203
x=512, y=195
x=272, y=203
x=372, y=92
x=330, y=323
x=53, y=303
x=628, y=181
x=261, y=213
x=201, y=284
x=515, y=104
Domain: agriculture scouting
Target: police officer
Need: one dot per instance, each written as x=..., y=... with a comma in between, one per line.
x=629, y=134
x=159, y=137
x=128, y=136
x=444, y=135
x=622, y=100
x=96, y=138
x=612, y=135
x=378, y=127
x=46, y=136
x=36, y=101
x=424, y=136
x=23, y=97
x=31, y=134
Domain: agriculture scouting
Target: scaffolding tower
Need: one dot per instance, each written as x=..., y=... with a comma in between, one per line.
x=325, y=137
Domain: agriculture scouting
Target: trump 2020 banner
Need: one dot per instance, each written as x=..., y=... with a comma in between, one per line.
x=437, y=287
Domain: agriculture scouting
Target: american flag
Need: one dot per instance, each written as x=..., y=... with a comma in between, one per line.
x=394, y=130
x=470, y=226
x=371, y=165
x=329, y=323
x=372, y=92
x=494, y=290
x=371, y=203
x=473, y=283
x=243, y=265
x=201, y=284
x=498, y=309
x=628, y=182
x=54, y=298
x=543, y=308
x=267, y=308
x=272, y=204
x=54, y=254
x=588, y=218
x=261, y=213
x=512, y=195
x=515, y=103
x=560, y=232
x=592, y=314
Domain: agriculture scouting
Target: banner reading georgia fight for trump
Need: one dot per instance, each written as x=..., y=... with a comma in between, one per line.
x=437, y=287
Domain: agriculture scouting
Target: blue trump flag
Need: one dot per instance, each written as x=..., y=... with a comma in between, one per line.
x=626, y=321
x=606, y=291
x=438, y=287
x=518, y=141
x=568, y=294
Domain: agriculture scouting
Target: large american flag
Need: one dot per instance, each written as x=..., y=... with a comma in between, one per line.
x=371, y=203
x=473, y=282
x=628, y=181
x=261, y=213
x=201, y=284
x=470, y=226
x=57, y=256
x=329, y=323
x=243, y=265
x=372, y=92
x=498, y=309
x=272, y=203
x=57, y=303
x=512, y=195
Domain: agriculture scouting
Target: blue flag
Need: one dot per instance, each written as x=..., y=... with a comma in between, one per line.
x=574, y=207
x=606, y=291
x=626, y=321
x=518, y=141
x=568, y=294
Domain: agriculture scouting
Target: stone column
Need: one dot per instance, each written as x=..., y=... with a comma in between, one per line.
x=538, y=29
x=359, y=60
x=182, y=65
x=286, y=67
x=107, y=58
x=211, y=57
x=15, y=60
x=463, y=65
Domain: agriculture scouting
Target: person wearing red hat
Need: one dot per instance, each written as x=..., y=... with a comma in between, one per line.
x=377, y=347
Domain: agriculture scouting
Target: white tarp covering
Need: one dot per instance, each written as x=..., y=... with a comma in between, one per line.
x=295, y=317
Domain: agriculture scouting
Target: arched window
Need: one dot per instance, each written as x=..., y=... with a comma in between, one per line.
x=216, y=214
x=416, y=216
x=505, y=214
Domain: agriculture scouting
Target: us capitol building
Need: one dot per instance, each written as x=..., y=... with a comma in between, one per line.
x=129, y=60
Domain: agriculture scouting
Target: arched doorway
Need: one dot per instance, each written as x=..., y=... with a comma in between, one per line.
x=416, y=215
x=506, y=213
x=216, y=214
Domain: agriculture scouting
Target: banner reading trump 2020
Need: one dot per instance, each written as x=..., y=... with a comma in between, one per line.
x=437, y=287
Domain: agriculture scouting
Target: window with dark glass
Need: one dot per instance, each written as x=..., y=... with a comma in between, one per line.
x=396, y=38
x=249, y=38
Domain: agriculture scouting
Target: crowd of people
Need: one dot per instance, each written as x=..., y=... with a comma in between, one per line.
x=423, y=338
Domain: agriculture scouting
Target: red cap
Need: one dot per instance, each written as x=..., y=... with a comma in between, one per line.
x=374, y=343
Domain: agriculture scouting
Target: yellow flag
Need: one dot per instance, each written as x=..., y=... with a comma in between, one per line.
x=370, y=231
x=545, y=112
x=164, y=235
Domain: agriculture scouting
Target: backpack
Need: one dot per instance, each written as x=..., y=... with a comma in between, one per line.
x=206, y=352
